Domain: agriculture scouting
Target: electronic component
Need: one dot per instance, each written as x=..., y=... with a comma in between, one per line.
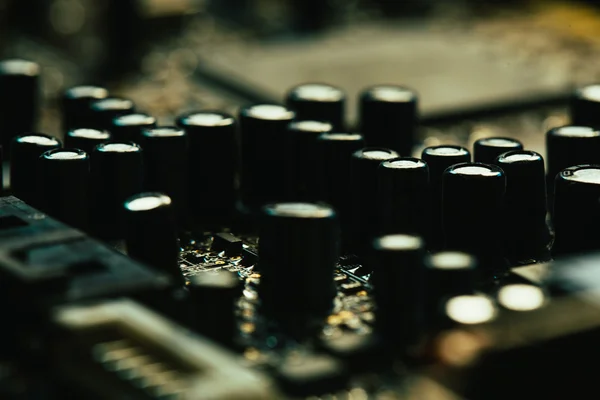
x=446, y=274
x=86, y=139
x=365, y=212
x=120, y=348
x=19, y=99
x=64, y=186
x=438, y=159
x=334, y=154
x=231, y=245
x=526, y=234
x=301, y=240
x=129, y=127
x=214, y=296
x=104, y=111
x=388, y=117
x=24, y=164
x=76, y=102
x=488, y=149
x=151, y=233
x=568, y=146
x=263, y=140
x=585, y=106
x=397, y=262
x=318, y=102
x=116, y=174
x=165, y=151
x=304, y=172
x=403, y=190
x=577, y=190
x=214, y=164
x=473, y=198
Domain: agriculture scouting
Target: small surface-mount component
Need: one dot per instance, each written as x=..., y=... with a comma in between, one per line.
x=120, y=349
x=230, y=244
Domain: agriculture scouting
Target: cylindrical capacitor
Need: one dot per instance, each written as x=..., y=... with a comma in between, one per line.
x=388, y=117
x=213, y=163
x=104, y=111
x=568, y=146
x=116, y=174
x=473, y=196
x=438, y=159
x=304, y=172
x=365, y=210
x=64, y=185
x=19, y=99
x=86, y=139
x=576, y=210
x=585, y=106
x=165, y=166
x=214, y=296
x=447, y=273
x=299, y=247
x=151, y=234
x=488, y=149
x=397, y=280
x=263, y=129
x=404, y=196
x=318, y=102
x=129, y=127
x=334, y=158
x=465, y=310
x=526, y=233
x=24, y=165
x=521, y=297
x=76, y=102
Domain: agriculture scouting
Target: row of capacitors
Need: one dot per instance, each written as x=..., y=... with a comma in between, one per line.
x=300, y=152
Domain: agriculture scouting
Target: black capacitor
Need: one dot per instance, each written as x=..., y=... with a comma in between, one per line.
x=521, y=297
x=129, y=127
x=64, y=186
x=165, y=165
x=24, y=159
x=263, y=129
x=334, y=158
x=304, y=172
x=318, y=102
x=447, y=273
x=404, y=196
x=214, y=296
x=576, y=210
x=397, y=280
x=116, y=174
x=488, y=149
x=473, y=199
x=104, y=111
x=585, y=106
x=76, y=102
x=19, y=99
x=151, y=234
x=438, y=159
x=298, y=247
x=213, y=163
x=389, y=116
x=86, y=139
x=567, y=146
x=463, y=311
x=526, y=233
x=365, y=211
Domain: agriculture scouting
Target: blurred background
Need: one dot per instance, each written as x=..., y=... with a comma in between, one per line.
x=472, y=62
